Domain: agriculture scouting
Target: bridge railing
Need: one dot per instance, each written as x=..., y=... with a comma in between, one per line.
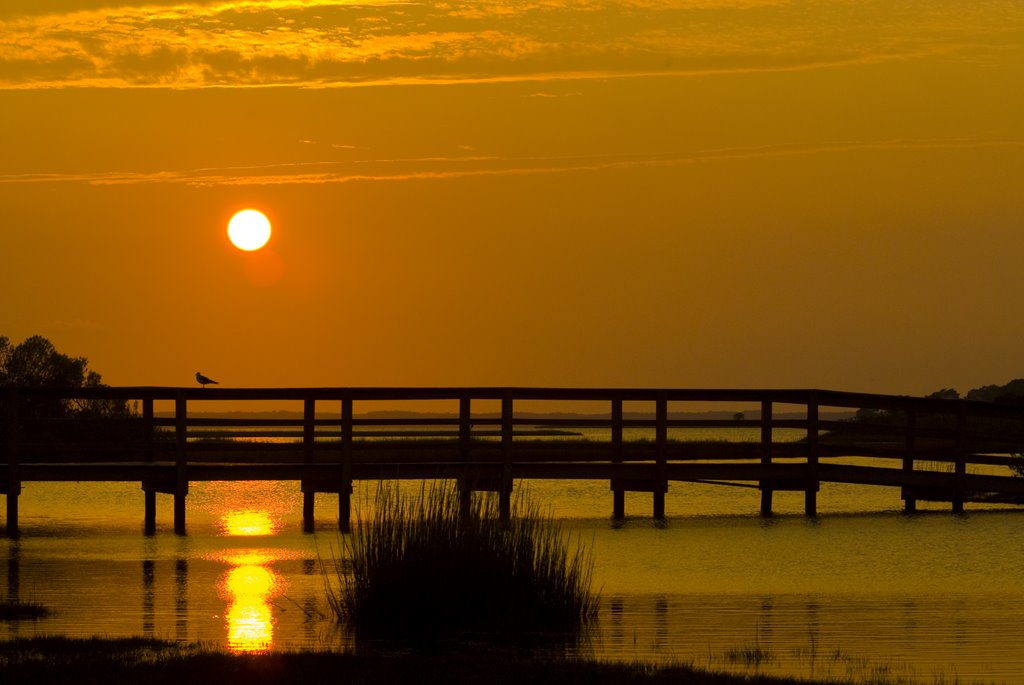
x=884, y=426
x=512, y=426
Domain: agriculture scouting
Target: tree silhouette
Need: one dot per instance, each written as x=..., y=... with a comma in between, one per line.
x=36, y=363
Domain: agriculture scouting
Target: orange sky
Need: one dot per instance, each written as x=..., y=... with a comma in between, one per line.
x=686, y=193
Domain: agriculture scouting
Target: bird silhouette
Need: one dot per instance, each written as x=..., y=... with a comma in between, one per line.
x=203, y=380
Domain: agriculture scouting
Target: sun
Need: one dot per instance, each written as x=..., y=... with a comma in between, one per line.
x=249, y=230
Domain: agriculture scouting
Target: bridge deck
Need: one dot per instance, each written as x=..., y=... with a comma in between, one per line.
x=939, y=450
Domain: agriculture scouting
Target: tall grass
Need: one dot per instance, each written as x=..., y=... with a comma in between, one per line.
x=17, y=610
x=427, y=567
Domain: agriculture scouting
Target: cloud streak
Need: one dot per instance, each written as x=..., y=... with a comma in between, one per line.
x=441, y=168
x=326, y=43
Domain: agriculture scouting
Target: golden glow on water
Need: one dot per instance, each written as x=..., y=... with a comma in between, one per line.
x=248, y=557
x=249, y=586
x=247, y=522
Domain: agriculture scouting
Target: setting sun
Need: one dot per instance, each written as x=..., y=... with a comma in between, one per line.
x=249, y=230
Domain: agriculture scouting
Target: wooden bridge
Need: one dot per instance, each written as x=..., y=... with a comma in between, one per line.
x=940, y=450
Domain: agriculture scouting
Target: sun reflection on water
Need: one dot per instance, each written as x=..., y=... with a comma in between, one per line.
x=247, y=522
x=249, y=585
x=250, y=622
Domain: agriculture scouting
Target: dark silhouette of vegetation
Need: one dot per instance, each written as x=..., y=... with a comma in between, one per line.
x=427, y=569
x=17, y=610
x=154, y=662
x=36, y=363
x=1011, y=393
x=1000, y=433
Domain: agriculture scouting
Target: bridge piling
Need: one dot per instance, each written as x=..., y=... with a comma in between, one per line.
x=13, y=485
x=149, y=517
x=618, y=494
x=910, y=447
x=813, y=484
x=505, y=487
x=960, y=467
x=810, y=502
x=149, y=493
x=308, y=446
x=345, y=488
x=12, y=513
x=661, y=460
x=766, y=456
x=181, y=460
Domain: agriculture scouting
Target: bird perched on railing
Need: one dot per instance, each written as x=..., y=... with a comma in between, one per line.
x=204, y=381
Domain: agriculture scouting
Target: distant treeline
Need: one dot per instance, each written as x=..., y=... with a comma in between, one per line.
x=1011, y=393
x=36, y=363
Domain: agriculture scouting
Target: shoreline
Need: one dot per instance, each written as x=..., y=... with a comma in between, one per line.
x=154, y=662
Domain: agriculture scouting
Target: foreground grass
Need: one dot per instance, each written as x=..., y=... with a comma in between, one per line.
x=436, y=566
x=153, y=662
x=17, y=610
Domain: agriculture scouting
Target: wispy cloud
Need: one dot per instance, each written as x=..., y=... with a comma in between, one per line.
x=323, y=43
x=425, y=168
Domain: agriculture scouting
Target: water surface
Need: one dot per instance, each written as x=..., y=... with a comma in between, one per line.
x=863, y=590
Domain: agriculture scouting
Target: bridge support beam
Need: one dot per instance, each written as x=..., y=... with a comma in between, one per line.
x=505, y=503
x=149, y=523
x=345, y=510
x=811, y=501
x=12, y=513
x=179, y=512
x=181, y=460
x=618, y=504
x=308, y=520
x=960, y=471
x=343, y=490
x=766, y=455
x=659, y=505
x=13, y=485
x=465, y=496
x=813, y=482
x=618, y=494
x=910, y=441
x=620, y=486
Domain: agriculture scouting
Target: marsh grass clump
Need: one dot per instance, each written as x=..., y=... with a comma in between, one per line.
x=430, y=567
x=1018, y=463
x=18, y=610
x=749, y=655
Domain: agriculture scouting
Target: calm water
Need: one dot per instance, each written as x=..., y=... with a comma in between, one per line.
x=861, y=591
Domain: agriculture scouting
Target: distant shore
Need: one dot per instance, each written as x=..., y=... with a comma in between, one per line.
x=154, y=662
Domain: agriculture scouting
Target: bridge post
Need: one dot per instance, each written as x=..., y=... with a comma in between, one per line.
x=813, y=481
x=618, y=494
x=345, y=489
x=12, y=513
x=960, y=465
x=149, y=516
x=766, y=455
x=909, y=501
x=505, y=487
x=661, y=442
x=465, y=436
x=180, y=461
x=308, y=443
x=13, y=489
x=148, y=493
